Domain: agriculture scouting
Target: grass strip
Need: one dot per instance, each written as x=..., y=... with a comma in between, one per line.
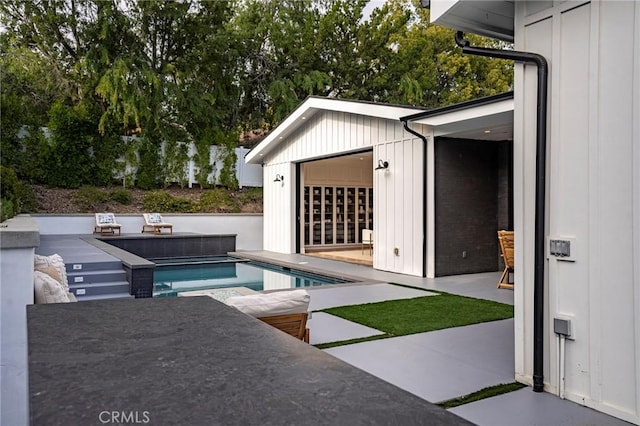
x=351, y=341
x=422, y=314
x=482, y=394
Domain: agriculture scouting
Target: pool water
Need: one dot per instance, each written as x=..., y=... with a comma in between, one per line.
x=169, y=280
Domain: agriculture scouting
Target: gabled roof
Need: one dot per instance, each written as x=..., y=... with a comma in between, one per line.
x=312, y=105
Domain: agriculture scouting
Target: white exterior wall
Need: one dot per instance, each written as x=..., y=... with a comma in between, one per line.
x=279, y=207
x=397, y=192
x=17, y=247
x=593, y=195
x=247, y=227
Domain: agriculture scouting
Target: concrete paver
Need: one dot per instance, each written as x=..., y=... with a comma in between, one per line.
x=325, y=328
x=439, y=365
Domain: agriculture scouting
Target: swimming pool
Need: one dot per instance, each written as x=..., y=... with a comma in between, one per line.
x=169, y=280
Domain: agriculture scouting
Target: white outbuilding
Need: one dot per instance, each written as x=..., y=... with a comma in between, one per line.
x=434, y=186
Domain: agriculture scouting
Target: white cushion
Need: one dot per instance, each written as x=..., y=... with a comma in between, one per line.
x=270, y=304
x=154, y=218
x=55, y=261
x=48, y=290
x=106, y=219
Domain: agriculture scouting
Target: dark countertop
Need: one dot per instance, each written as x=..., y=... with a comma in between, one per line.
x=196, y=361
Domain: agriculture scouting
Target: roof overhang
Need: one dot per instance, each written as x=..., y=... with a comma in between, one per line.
x=491, y=18
x=311, y=106
x=489, y=118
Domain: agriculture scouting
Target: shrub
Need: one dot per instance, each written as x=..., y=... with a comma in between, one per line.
x=122, y=196
x=218, y=200
x=250, y=195
x=150, y=169
x=9, y=187
x=162, y=201
x=16, y=197
x=27, y=201
x=88, y=198
x=6, y=209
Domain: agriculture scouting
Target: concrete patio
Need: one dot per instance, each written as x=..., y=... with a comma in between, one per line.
x=438, y=365
x=434, y=366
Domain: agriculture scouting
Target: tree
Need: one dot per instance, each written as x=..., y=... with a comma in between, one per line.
x=199, y=72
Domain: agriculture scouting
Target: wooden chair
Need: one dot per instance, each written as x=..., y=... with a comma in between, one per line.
x=153, y=222
x=505, y=239
x=292, y=324
x=106, y=224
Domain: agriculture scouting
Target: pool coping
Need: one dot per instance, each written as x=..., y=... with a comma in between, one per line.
x=353, y=279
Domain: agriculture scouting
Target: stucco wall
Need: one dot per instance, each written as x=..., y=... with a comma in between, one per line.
x=18, y=239
x=247, y=227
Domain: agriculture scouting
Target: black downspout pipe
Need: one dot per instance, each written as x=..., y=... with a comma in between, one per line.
x=541, y=154
x=424, y=195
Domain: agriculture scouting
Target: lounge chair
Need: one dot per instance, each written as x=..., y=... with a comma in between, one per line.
x=285, y=310
x=106, y=224
x=505, y=238
x=153, y=222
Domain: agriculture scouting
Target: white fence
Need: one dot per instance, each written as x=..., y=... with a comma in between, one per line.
x=247, y=174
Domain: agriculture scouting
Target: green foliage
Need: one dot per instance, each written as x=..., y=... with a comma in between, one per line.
x=9, y=180
x=149, y=173
x=250, y=195
x=27, y=201
x=197, y=72
x=163, y=202
x=202, y=160
x=32, y=163
x=89, y=198
x=122, y=196
x=6, y=209
x=176, y=159
x=483, y=393
x=228, y=178
x=218, y=200
x=16, y=196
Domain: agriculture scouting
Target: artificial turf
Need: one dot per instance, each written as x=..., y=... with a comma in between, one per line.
x=421, y=314
x=482, y=394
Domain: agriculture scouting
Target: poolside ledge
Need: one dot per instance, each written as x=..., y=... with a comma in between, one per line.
x=198, y=361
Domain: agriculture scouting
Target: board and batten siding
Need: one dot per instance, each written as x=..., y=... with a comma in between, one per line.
x=593, y=196
x=398, y=191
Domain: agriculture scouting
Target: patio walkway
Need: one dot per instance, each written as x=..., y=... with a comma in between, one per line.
x=437, y=365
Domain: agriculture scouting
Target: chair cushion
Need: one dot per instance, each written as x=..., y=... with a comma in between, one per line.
x=105, y=219
x=43, y=263
x=154, y=218
x=48, y=290
x=269, y=304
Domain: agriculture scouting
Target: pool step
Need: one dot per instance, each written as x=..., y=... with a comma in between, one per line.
x=98, y=280
x=112, y=296
x=98, y=289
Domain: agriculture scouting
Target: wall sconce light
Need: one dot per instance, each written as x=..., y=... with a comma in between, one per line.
x=279, y=178
x=382, y=165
